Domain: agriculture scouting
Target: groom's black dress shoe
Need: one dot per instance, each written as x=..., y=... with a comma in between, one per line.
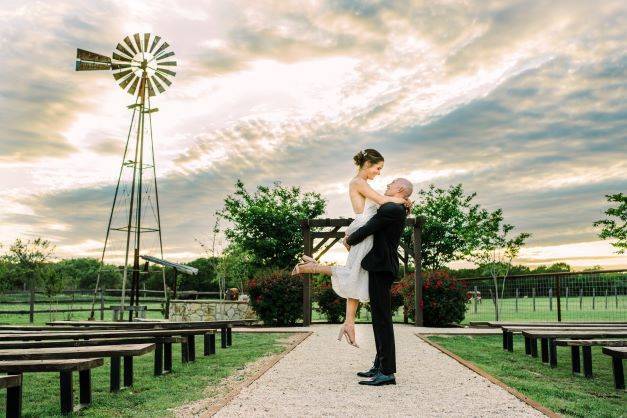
x=379, y=379
x=370, y=373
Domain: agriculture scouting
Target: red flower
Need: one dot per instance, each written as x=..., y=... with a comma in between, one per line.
x=438, y=284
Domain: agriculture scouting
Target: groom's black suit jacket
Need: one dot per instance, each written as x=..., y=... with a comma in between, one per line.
x=387, y=227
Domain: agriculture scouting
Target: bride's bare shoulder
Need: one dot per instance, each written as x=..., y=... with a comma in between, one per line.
x=356, y=182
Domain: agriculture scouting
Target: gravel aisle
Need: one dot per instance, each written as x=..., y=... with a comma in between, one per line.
x=318, y=379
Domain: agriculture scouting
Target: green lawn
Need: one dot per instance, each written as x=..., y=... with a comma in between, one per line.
x=150, y=396
x=556, y=388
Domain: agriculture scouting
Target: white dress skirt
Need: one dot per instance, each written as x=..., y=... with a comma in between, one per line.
x=351, y=280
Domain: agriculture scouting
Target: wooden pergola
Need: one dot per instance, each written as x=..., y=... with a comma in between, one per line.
x=314, y=229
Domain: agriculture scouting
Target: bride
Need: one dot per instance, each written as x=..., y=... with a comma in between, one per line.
x=350, y=281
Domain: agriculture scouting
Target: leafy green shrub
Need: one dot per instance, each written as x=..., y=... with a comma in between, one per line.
x=329, y=303
x=276, y=297
x=443, y=298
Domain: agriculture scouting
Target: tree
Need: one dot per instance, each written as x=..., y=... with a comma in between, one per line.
x=453, y=225
x=266, y=224
x=496, y=251
x=26, y=260
x=81, y=273
x=235, y=267
x=615, y=228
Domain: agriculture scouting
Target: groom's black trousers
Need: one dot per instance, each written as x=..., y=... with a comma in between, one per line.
x=379, y=284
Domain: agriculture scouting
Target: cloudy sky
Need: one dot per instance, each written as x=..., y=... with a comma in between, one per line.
x=523, y=102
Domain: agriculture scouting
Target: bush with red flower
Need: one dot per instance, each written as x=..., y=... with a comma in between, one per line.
x=276, y=297
x=443, y=298
x=329, y=303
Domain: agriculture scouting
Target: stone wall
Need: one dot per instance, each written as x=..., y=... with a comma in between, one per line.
x=210, y=310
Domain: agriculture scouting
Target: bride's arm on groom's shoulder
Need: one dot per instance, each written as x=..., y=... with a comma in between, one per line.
x=385, y=215
x=365, y=190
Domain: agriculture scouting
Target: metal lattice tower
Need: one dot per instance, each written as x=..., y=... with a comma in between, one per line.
x=140, y=65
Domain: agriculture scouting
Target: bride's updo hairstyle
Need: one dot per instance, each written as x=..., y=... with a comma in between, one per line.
x=369, y=155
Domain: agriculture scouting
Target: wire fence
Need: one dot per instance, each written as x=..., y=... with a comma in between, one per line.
x=565, y=296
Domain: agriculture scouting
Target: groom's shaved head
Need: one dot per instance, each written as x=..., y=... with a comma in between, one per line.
x=408, y=188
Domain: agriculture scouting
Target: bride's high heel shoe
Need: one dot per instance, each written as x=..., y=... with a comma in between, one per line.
x=344, y=332
x=297, y=269
x=308, y=259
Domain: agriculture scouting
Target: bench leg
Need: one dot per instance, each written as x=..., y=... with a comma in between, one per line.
x=510, y=342
x=84, y=385
x=544, y=344
x=619, y=375
x=14, y=402
x=158, y=367
x=167, y=357
x=223, y=337
x=534, y=346
x=587, y=361
x=575, y=359
x=527, y=346
x=552, y=352
x=67, y=396
x=191, y=347
x=207, y=345
x=504, y=340
x=128, y=371
x=229, y=336
x=114, y=375
x=184, y=352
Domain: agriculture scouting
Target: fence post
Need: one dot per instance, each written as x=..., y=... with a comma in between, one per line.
x=580, y=298
x=516, y=299
x=606, y=292
x=593, y=298
x=533, y=295
x=557, y=295
x=496, y=309
x=476, y=299
x=566, y=297
x=616, y=295
x=102, y=308
x=550, y=299
x=31, y=301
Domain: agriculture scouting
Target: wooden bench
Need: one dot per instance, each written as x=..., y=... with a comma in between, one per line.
x=585, y=344
x=162, y=358
x=13, y=385
x=115, y=352
x=499, y=324
x=546, y=337
x=618, y=354
x=65, y=369
x=509, y=330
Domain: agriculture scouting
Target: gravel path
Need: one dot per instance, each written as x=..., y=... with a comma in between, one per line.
x=318, y=379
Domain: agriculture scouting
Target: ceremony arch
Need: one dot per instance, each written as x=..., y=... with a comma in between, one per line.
x=335, y=234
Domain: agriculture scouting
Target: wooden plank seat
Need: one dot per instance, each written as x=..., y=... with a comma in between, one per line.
x=585, y=344
x=188, y=351
x=13, y=385
x=547, y=336
x=115, y=352
x=499, y=324
x=618, y=354
x=162, y=357
x=65, y=369
x=509, y=331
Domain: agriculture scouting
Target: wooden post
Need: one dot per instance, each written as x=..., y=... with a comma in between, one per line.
x=533, y=295
x=417, y=241
x=102, y=304
x=31, y=302
x=580, y=298
x=606, y=293
x=550, y=299
x=557, y=295
x=593, y=298
x=476, y=294
x=566, y=297
x=307, y=249
x=616, y=295
x=516, y=300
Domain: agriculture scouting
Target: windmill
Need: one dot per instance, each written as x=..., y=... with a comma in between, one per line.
x=140, y=65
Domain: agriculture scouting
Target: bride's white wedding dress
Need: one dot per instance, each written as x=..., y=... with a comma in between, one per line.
x=351, y=280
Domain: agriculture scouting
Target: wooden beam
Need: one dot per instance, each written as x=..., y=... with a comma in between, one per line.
x=329, y=234
x=308, y=243
x=321, y=243
x=327, y=248
x=417, y=240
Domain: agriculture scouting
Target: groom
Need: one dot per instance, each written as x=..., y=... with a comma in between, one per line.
x=381, y=262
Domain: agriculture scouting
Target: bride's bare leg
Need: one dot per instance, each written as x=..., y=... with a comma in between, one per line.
x=315, y=268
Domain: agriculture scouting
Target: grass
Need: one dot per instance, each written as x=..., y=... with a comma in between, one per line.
x=556, y=388
x=151, y=396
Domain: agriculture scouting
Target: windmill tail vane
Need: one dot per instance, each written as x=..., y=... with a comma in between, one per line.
x=142, y=65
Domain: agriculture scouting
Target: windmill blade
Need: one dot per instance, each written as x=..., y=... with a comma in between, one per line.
x=168, y=63
x=151, y=91
x=161, y=48
x=133, y=87
x=119, y=57
x=91, y=66
x=120, y=66
x=163, y=78
x=127, y=80
x=146, y=38
x=84, y=55
x=138, y=42
x=157, y=84
x=163, y=70
x=128, y=42
x=160, y=57
x=154, y=43
x=121, y=74
x=123, y=50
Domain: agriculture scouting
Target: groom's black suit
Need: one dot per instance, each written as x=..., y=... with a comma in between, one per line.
x=381, y=262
